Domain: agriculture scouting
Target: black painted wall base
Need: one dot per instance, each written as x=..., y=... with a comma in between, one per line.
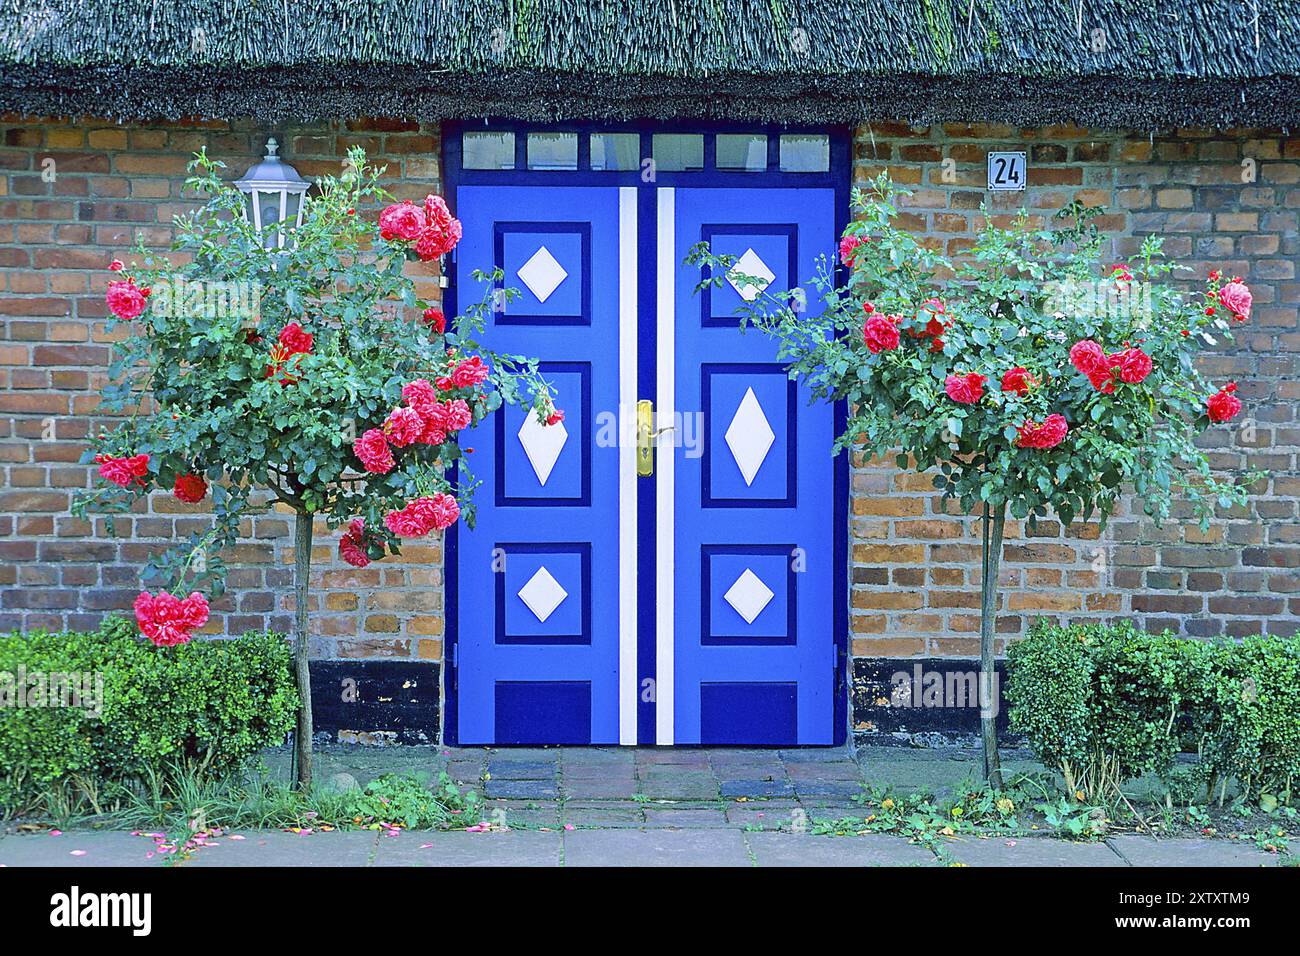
x=376, y=701
x=927, y=702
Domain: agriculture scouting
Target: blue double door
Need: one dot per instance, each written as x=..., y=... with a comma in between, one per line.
x=679, y=583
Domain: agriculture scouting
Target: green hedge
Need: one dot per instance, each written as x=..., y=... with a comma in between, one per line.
x=209, y=706
x=1104, y=704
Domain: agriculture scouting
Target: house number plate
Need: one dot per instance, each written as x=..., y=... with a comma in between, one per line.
x=1007, y=170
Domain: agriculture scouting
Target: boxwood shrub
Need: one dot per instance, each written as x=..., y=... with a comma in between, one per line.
x=1104, y=704
x=208, y=707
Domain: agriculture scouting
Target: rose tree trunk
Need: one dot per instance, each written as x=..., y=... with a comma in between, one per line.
x=302, y=534
x=993, y=522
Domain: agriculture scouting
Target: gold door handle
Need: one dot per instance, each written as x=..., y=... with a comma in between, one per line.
x=646, y=437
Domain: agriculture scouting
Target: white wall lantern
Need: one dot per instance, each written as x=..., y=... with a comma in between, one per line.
x=274, y=193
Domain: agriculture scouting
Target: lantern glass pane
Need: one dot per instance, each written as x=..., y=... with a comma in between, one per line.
x=268, y=203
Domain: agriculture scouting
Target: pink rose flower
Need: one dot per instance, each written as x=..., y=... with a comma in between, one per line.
x=965, y=389
x=166, y=620
x=127, y=472
x=372, y=448
x=1236, y=298
x=403, y=221
x=125, y=300
x=469, y=373
x=404, y=426
x=456, y=415
x=419, y=394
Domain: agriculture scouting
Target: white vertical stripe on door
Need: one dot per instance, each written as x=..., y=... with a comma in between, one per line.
x=626, y=436
x=666, y=270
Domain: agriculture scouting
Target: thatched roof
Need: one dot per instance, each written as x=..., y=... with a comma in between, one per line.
x=1097, y=62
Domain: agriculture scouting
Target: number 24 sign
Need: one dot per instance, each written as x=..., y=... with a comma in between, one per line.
x=1007, y=170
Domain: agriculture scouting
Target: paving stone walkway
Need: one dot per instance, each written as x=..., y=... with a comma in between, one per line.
x=642, y=807
x=618, y=846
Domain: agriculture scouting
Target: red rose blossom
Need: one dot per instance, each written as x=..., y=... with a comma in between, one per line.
x=965, y=389
x=190, y=488
x=351, y=547
x=555, y=417
x=403, y=221
x=1018, y=380
x=847, y=245
x=1087, y=356
x=372, y=448
x=125, y=300
x=1223, y=405
x=880, y=333
x=436, y=320
x=442, y=231
x=1134, y=366
x=295, y=340
x=167, y=620
x=1049, y=434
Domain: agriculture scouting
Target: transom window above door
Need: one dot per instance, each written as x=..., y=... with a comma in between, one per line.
x=637, y=150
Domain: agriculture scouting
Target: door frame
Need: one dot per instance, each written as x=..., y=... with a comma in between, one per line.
x=838, y=177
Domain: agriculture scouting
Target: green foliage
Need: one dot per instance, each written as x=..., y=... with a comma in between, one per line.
x=204, y=390
x=406, y=800
x=1106, y=704
x=1020, y=299
x=207, y=707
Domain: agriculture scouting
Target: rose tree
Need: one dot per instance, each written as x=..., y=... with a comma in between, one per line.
x=310, y=376
x=1034, y=380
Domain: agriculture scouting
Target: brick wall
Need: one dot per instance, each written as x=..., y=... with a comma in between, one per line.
x=57, y=234
x=916, y=569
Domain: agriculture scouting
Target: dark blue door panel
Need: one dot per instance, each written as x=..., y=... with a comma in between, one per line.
x=536, y=614
x=754, y=550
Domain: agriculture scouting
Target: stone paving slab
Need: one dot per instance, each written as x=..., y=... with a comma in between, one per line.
x=99, y=849
x=609, y=788
x=685, y=817
x=281, y=848
x=1028, y=851
x=521, y=789
x=756, y=788
x=1144, y=851
x=795, y=849
x=655, y=848
x=607, y=815
x=458, y=848
x=521, y=769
